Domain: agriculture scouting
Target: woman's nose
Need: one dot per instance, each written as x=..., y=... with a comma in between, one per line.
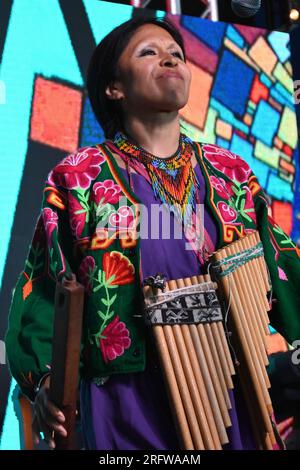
x=168, y=60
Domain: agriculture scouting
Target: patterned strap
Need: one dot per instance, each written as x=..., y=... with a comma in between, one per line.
x=188, y=305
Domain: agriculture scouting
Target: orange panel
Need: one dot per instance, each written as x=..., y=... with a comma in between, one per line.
x=55, y=119
x=197, y=106
x=282, y=213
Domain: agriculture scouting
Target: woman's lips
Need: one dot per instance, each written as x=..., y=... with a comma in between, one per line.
x=170, y=75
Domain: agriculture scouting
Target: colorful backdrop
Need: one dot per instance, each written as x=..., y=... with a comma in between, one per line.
x=241, y=98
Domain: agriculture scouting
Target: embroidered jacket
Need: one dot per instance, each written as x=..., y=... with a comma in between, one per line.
x=83, y=228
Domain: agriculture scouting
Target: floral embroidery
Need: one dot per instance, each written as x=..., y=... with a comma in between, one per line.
x=50, y=219
x=118, y=269
x=78, y=214
x=244, y=202
x=86, y=272
x=223, y=189
x=114, y=340
x=227, y=162
x=77, y=169
x=106, y=192
x=227, y=212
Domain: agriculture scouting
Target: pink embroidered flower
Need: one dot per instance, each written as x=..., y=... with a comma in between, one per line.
x=50, y=219
x=249, y=205
x=106, y=192
x=222, y=188
x=77, y=216
x=227, y=162
x=77, y=169
x=86, y=271
x=228, y=214
x=123, y=218
x=115, y=339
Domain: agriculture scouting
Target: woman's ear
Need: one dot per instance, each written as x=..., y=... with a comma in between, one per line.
x=113, y=91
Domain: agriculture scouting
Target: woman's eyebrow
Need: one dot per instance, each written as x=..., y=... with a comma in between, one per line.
x=154, y=44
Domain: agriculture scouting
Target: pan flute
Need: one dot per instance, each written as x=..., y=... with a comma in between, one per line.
x=191, y=333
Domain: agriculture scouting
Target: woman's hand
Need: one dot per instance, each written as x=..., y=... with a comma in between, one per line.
x=47, y=417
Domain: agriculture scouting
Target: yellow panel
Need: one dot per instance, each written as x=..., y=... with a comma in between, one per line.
x=288, y=128
x=282, y=75
x=266, y=154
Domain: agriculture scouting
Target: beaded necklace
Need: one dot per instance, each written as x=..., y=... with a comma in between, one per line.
x=173, y=179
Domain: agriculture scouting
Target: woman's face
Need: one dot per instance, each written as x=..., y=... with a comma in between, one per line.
x=152, y=73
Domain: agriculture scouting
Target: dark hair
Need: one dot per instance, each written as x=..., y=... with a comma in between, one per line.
x=103, y=69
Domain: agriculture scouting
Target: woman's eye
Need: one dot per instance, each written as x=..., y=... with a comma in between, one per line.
x=147, y=51
x=178, y=55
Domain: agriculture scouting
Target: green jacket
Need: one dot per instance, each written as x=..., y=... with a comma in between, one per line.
x=89, y=225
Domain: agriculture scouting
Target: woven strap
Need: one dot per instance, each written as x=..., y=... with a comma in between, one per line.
x=233, y=262
x=187, y=305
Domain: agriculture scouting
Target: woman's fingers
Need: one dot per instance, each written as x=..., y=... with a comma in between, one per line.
x=54, y=411
x=51, y=422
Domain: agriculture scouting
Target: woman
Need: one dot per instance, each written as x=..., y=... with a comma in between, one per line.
x=138, y=80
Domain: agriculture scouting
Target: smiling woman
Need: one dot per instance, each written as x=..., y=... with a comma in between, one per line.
x=95, y=201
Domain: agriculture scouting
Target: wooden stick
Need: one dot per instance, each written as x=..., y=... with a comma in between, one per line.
x=69, y=300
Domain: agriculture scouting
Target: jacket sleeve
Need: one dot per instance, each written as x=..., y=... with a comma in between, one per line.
x=283, y=260
x=31, y=316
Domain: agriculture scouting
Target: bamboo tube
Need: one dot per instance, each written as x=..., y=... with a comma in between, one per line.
x=255, y=292
x=258, y=265
x=199, y=399
x=223, y=360
x=250, y=315
x=223, y=338
x=249, y=334
x=211, y=380
x=263, y=264
x=183, y=386
x=236, y=317
x=171, y=383
x=258, y=428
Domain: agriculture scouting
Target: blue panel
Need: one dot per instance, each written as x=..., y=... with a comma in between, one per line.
x=233, y=83
x=296, y=212
x=280, y=43
x=92, y=133
x=210, y=33
x=235, y=36
x=288, y=96
x=265, y=80
x=279, y=189
x=265, y=123
x=223, y=143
